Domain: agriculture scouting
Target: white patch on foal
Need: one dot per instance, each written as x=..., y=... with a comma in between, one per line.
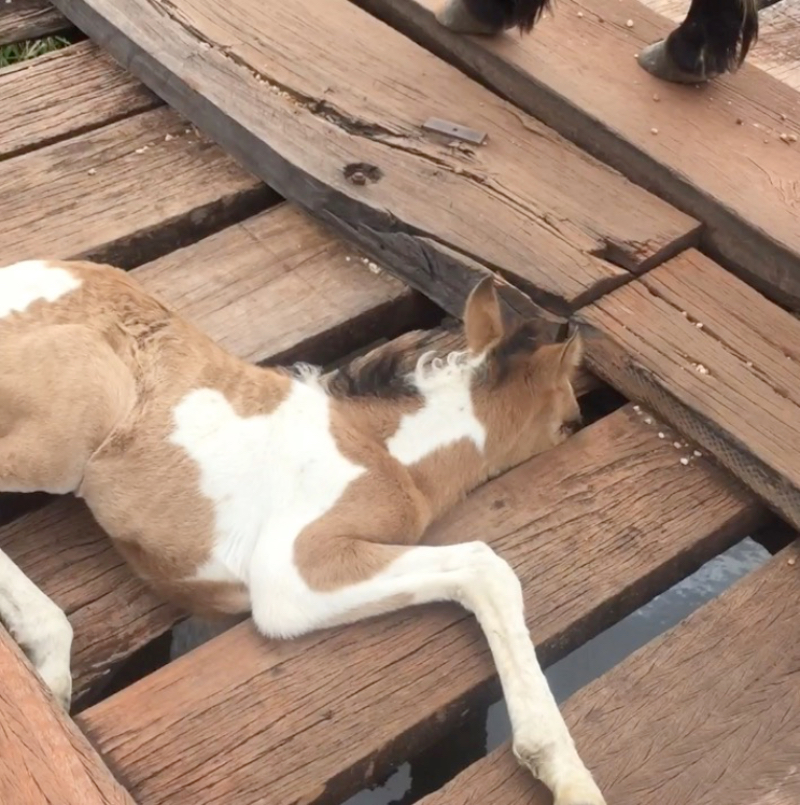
x=447, y=414
x=268, y=476
x=24, y=283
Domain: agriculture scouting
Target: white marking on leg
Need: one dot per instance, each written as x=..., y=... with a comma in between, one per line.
x=24, y=283
x=39, y=626
x=447, y=414
x=473, y=575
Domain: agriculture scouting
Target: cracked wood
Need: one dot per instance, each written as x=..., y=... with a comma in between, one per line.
x=709, y=713
x=578, y=74
x=45, y=757
x=264, y=80
x=715, y=358
x=591, y=527
x=276, y=285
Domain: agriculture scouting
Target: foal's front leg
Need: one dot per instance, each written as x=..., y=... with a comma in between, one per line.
x=374, y=578
x=39, y=626
x=713, y=39
x=490, y=17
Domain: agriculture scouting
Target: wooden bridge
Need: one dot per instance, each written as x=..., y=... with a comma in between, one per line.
x=281, y=177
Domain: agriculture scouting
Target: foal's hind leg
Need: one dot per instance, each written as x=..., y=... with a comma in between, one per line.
x=489, y=17
x=713, y=39
x=384, y=578
x=39, y=626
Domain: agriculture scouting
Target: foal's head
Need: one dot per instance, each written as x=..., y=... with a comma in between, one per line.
x=522, y=390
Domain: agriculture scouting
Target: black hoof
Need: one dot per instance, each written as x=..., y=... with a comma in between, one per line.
x=657, y=61
x=455, y=16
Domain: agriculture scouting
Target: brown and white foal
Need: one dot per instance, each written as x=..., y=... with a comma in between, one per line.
x=299, y=497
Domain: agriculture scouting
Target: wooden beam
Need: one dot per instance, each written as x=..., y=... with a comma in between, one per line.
x=708, y=713
x=125, y=193
x=275, y=286
x=344, y=138
x=46, y=759
x=715, y=358
x=21, y=20
x=592, y=529
x=715, y=151
x=65, y=93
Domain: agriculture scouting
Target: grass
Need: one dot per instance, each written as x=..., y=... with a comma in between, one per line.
x=21, y=51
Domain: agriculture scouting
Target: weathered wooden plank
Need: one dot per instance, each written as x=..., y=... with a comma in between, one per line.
x=30, y=19
x=777, y=51
x=65, y=93
x=578, y=74
x=46, y=759
x=592, y=528
x=715, y=358
x=344, y=137
x=275, y=285
x=708, y=713
x=125, y=193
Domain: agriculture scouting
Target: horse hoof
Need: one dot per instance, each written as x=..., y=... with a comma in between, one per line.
x=657, y=61
x=456, y=17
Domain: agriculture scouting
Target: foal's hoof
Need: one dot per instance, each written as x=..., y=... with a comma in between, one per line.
x=581, y=792
x=657, y=61
x=455, y=16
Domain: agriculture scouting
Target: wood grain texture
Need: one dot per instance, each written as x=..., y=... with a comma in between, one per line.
x=30, y=19
x=708, y=713
x=65, y=93
x=125, y=193
x=245, y=286
x=732, y=383
x=777, y=51
x=46, y=759
x=593, y=529
x=526, y=203
x=579, y=75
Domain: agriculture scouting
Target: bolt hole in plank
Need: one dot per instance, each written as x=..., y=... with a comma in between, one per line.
x=718, y=153
x=525, y=203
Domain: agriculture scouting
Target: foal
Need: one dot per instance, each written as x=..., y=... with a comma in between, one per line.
x=299, y=497
x=714, y=37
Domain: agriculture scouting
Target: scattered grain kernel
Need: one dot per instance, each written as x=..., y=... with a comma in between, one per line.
x=92, y=171
x=749, y=364
x=783, y=116
x=660, y=435
x=656, y=97
x=699, y=325
x=654, y=130
x=697, y=454
x=648, y=421
x=637, y=408
x=580, y=14
x=347, y=259
x=791, y=561
x=700, y=369
x=676, y=445
x=684, y=461
x=168, y=137
x=629, y=23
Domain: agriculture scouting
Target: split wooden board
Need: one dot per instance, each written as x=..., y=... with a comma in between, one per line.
x=45, y=758
x=578, y=74
x=277, y=285
x=715, y=358
x=708, y=713
x=591, y=527
x=435, y=212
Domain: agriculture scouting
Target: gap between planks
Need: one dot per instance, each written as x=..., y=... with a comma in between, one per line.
x=22, y=20
x=707, y=713
x=591, y=527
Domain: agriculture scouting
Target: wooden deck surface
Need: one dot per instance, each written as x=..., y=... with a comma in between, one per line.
x=99, y=166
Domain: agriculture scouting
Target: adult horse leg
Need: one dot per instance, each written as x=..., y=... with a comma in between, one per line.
x=713, y=39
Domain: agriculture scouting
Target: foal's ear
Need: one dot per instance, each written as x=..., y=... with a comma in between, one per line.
x=483, y=319
x=557, y=362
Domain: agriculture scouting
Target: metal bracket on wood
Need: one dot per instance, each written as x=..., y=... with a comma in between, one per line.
x=455, y=130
